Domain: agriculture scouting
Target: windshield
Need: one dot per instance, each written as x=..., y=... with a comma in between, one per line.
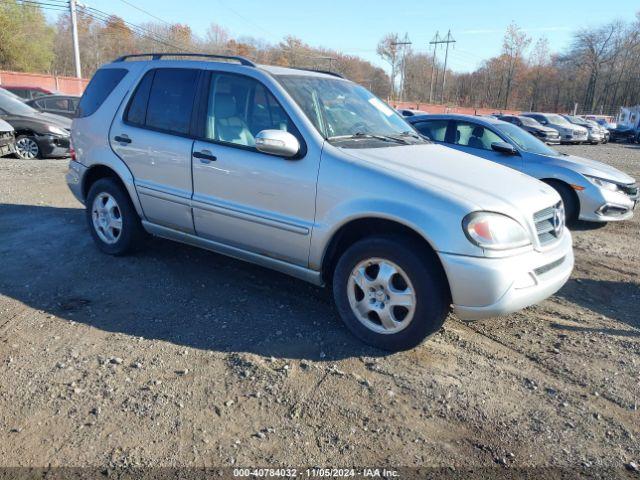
x=578, y=120
x=11, y=106
x=529, y=122
x=343, y=110
x=558, y=120
x=524, y=140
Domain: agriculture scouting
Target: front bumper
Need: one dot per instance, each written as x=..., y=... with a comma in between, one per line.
x=602, y=205
x=53, y=146
x=74, y=177
x=574, y=137
x=484, y=287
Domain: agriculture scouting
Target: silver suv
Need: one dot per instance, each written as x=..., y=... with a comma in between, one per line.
x=310, y=174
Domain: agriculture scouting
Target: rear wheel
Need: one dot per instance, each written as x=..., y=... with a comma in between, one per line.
x=27, y=148
x=113, y=221
x=389, y=293
x=569, y=199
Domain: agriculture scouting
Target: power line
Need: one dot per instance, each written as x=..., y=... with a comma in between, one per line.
x=144, y=11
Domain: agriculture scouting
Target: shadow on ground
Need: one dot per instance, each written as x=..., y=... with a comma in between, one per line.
x=170, y=292
x=616, y=300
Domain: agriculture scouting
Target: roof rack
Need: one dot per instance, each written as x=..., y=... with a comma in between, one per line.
x=158, y=56
x=326, y=72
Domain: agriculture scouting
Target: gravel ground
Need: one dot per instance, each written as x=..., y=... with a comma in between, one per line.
x=179, y=357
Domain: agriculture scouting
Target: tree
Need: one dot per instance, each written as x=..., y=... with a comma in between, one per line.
x=26, y=40
x=389, y=50
x=513, y=46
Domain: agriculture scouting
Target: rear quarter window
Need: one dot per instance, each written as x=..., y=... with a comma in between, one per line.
x=99, y=88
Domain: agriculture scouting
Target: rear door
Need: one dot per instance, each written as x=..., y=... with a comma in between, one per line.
x=244, y=198
x=153, y=137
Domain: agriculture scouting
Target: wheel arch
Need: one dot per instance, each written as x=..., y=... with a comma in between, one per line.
x=98, y=171
x=362, y=227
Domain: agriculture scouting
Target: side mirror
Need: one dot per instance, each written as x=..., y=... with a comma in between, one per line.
x=504, y=147
x=277, y=142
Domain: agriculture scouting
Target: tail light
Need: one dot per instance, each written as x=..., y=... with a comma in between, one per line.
x=72, y=151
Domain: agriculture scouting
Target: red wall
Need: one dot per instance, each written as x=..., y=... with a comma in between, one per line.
x=68, y=85
x=429, y=108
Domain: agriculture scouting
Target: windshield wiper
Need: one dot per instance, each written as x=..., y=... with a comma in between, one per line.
x=384, y=138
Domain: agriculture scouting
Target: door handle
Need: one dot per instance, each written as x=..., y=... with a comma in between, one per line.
x=122, y=138
x=205, y=156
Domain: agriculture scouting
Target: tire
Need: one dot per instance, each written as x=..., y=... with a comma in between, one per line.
x=107, y=196
x=569, y=199
x=27, y=148
x=427, y=288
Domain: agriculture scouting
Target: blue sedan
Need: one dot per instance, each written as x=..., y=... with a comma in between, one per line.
x=590, y=190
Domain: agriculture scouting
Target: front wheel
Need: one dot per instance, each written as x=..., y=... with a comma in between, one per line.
x=112, y=219
x=390, y=293
x=27, y=148
x=569, y=199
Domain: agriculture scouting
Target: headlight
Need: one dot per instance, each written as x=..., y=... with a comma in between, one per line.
x=57, y=131
x=494, y=231
x=606, y=184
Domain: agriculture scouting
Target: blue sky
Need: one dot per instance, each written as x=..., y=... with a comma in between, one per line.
x=355, y=26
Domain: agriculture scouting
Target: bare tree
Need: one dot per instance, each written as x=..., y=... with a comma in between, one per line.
x=389, y=50
x=513, y=46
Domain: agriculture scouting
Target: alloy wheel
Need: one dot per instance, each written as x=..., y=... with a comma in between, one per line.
x=27, y=148
x=381, y=295
x=107, y=218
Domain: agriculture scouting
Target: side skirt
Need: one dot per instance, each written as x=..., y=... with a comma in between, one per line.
x=297, y=271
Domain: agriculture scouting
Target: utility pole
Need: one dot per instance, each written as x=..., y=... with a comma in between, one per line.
x=433, y=42
x=447, y=40
x=437, y=41
x=403, y=44
x=74, y=34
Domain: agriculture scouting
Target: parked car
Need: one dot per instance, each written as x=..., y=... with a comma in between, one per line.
x=408, y=112
x=310, y=174
x=623, y=133
x=605, y=133
x=7, y=139
x=594, y=133
x=64, y=105
x=27, y=92
x=546, y=134
x=590, y=190
x=38, y=135
x=569, y=133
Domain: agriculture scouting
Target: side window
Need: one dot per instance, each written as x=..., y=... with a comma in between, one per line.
x=171, y=100
x=435, y=129
x=137, y=110
x=239, y=108
x=55, y=103
x=99, y=88
x=474, y=136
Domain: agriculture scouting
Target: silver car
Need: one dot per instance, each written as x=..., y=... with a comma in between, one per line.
x=590, y=190
x=310, y=174
x=594, y=132
x=569, y=133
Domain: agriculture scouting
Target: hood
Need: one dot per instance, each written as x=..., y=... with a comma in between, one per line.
x=542, y=128
x=37, y=122
x=594, y=168
x=480, y=183
x=5, y=127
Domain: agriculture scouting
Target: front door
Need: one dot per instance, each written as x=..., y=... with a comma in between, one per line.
x=244, y=198
x=152, y=137
x=476, y=139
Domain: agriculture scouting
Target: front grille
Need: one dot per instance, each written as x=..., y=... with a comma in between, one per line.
x=549, y=266
x=549, y=223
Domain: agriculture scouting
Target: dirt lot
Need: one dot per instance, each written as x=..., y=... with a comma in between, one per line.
x=180, y=357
